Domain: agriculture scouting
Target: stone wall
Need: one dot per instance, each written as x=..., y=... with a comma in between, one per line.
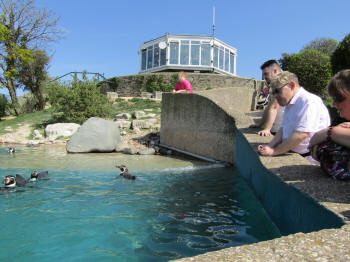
x=133, y=85
x=195, y=124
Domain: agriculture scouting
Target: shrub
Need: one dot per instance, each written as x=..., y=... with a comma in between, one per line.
x=77, y=101
x=156, y=82
x=341, y=56
x=313, y=69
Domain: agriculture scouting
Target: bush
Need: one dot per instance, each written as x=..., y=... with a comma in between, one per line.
x=77, y=101
x=3, y=105
x=155, y=82
x=313, y=69
x=341, y=56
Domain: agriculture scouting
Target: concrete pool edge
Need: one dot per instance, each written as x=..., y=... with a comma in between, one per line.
x=323, y=245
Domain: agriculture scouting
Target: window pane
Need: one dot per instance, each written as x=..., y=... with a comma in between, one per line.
x=231, y=63
x=156, y=56
x=184, y=52
x=205, y=54
x=143, y=59
x=221, y=58
x=174, y=53
x=195, y=46
x=150, y=57
x=162, y=56
x=216, y=56
x=227, y=59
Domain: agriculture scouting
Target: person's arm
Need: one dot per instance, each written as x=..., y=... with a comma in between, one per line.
x=181, y=91
x=294, y=140
x=267, y=150
x=339, y=134
x=270, y=117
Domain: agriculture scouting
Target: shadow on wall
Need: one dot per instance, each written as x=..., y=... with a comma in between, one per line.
x=290, y=209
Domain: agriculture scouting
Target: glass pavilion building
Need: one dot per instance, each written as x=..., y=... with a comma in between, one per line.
x=192, y=53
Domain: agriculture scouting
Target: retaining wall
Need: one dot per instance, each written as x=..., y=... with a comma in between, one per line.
x=133, y=85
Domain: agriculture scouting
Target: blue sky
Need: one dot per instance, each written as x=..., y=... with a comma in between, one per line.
x=104, y=36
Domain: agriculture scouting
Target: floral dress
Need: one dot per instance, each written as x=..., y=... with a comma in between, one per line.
x=334, y=160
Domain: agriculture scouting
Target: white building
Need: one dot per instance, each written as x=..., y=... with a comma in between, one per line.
x=192, y=53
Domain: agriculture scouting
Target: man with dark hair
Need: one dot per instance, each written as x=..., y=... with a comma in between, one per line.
x=272, y=117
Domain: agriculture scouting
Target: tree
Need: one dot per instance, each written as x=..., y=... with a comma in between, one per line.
x=341, y=56
x=313, y=69
x=32, y=74
x=324, y=45
x=22, y=29
x=77, y=101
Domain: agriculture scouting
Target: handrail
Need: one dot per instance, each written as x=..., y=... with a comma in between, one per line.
x=89, y=73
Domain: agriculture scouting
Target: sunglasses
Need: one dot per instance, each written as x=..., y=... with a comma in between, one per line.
x=278, y=90
x=339, y=98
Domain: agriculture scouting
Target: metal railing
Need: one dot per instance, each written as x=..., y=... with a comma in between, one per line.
x=84, y=72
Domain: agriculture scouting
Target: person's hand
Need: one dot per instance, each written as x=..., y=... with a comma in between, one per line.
x=345, y=124
x=265, y=150
x=264, y=132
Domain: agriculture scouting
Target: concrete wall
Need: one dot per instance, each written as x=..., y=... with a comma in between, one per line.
x=291, y=210
x=205, y=124
x=196, y=124
x=132, y=85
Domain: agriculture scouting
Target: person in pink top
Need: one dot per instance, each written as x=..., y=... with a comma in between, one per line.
x=183, y=86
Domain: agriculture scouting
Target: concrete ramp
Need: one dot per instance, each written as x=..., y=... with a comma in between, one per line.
x=204, y=123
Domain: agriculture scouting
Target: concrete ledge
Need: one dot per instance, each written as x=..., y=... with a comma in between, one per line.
x=323, y=245
x=208, y=117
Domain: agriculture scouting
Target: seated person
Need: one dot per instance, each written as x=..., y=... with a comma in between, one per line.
x=331, y=146
x=272, y=117
x=183, y=86
x=304, y=115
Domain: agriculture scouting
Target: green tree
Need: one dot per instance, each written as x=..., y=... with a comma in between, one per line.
x=313, y=69
x=22, y=28
x=32, y=75
x=324, y=45
x=341, y=56
x=78, y=100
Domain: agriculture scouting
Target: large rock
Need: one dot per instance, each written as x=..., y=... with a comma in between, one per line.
x=95, y=135
x=60, y=129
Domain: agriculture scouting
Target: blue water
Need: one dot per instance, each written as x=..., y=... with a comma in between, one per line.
x=84, y=215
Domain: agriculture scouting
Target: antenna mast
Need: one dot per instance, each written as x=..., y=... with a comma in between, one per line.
x=213, y=21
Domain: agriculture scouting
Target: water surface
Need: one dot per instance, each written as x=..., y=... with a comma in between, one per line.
x=175, y=208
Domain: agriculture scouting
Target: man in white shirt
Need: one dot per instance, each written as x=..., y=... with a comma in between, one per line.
x=271, y=120
x=304, y=114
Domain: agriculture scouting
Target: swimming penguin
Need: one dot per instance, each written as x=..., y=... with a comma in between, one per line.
x=11, y=150
x=35, y=176
x=11, y=181
x=125, y=172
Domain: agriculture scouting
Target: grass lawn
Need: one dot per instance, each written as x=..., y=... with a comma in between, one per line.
x=135, y=104
x=38, y=120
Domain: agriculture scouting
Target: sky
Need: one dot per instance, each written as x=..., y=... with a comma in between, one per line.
x=104, y=36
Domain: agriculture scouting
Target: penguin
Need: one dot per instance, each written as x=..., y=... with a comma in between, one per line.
x=11, y=181
x=11, y=150
x=125, y=172
x=35, y=176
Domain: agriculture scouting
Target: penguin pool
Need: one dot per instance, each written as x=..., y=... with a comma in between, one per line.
x=86, y=212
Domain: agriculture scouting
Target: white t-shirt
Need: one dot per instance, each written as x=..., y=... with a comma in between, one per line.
x=305, y=113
